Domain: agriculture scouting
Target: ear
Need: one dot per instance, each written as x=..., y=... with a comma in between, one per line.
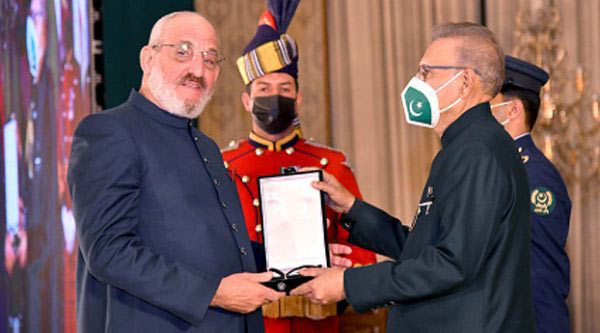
x=468, y=82
x=516, y=110
x=298, y=100
x=247, y=101
x=145, y=58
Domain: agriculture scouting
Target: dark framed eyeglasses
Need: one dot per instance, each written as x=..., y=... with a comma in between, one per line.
x=184, y=52
x=424, y=70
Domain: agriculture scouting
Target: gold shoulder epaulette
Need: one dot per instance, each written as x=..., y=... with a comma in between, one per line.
x=345, y=158
x=233, y=145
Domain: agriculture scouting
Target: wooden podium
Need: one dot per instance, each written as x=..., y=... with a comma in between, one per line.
x=298, y=306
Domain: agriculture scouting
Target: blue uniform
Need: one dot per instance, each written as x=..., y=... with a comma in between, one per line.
x=550, y=210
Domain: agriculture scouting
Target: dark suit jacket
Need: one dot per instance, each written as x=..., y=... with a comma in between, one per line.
x=159, y=221
x=464, y=267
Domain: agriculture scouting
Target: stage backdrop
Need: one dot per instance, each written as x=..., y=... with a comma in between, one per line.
x=45, y=75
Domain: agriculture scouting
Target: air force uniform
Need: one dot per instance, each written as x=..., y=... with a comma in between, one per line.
x=550, y=209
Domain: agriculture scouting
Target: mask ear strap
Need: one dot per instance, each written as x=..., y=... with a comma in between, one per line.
x=497, y=105
x=451, y=105
x=449, y=81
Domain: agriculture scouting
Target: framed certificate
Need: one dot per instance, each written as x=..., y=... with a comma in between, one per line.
x=294, y=226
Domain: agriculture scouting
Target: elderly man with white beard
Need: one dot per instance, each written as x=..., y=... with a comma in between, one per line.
x=163, y=242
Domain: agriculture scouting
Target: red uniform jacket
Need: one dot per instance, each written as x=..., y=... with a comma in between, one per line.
x=249, y=159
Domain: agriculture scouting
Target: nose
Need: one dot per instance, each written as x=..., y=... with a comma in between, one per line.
x=197, y=66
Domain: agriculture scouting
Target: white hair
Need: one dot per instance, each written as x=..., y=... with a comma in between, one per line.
x=157, y=29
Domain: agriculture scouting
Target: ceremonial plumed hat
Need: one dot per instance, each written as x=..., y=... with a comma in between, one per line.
x=524, y=75
x=271, y=50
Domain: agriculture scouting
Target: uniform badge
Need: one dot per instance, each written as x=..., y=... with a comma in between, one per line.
x=543, y=201
x=524, y=158
x=423, y=206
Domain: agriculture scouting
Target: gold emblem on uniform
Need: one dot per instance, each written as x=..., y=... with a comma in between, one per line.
x=290, y=151
x=259, y=151
x=543, y=201
x=245, y=179
x=324, y=161
x=524, y=158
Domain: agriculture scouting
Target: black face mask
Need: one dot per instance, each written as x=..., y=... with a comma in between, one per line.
x=274, y=113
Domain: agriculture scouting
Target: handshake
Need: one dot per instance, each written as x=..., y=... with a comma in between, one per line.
x=244, y=293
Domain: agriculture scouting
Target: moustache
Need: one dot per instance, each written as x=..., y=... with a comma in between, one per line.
x=194, y=79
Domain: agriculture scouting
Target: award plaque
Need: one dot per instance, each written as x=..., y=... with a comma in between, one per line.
x=294, y=227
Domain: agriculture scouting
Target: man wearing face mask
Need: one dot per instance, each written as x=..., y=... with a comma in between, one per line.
x=516, y=108
x=272, y=98
x=463, y=266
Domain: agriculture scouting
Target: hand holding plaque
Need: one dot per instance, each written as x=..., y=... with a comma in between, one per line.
x=294, y=227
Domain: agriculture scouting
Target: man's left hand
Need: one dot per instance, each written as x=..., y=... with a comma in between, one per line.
x=337, y=253
x=327, y=286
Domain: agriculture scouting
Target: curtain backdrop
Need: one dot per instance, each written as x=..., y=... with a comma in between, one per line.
x=235, y=21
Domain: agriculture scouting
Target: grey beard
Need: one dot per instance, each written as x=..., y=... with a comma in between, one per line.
x=168, y=100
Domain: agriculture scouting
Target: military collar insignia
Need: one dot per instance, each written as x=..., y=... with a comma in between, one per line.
x=279, y=145
x=524, y=158
x=543, y=201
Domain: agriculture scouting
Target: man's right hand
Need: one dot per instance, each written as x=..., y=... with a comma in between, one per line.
x=340, y=199
x=242, y=292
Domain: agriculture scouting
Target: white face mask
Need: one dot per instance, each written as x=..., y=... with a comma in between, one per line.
x=420, y=102
x=499, y=105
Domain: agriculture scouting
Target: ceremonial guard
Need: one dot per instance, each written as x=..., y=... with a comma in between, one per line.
x=269, y=68
x=516, y=108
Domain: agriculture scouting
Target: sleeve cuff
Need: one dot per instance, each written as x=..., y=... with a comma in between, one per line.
x=348, y=220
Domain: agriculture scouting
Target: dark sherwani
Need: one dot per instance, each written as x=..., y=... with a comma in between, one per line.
x=464, y=267
x=159, y=221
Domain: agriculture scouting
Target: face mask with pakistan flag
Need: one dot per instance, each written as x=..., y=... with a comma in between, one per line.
x=420, y=102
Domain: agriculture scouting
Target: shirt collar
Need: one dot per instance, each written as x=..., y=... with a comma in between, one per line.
x=140, y=102
x=478, y=111
x=524, y=140
x=522, y=136
x=281, y=144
